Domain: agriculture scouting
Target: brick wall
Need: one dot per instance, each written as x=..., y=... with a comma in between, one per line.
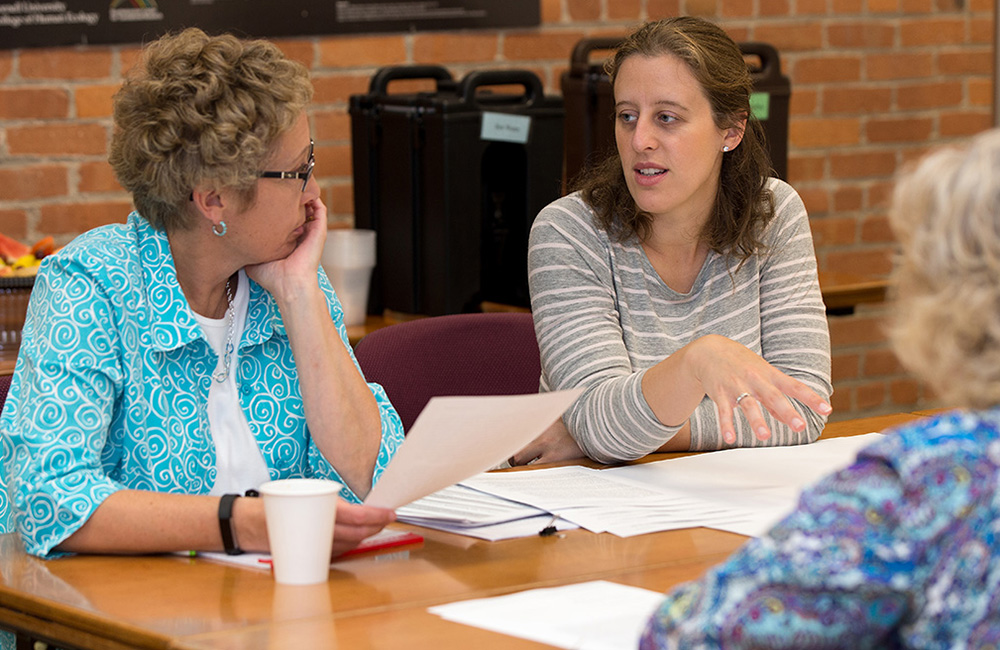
x=874, y=84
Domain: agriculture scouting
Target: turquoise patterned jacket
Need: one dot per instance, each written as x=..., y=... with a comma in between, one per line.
x=111, y=386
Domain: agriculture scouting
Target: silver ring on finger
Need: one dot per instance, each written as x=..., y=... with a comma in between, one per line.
x=741, y=396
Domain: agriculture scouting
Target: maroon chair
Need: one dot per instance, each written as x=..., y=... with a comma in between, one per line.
x=461, y=354
x=4, y=388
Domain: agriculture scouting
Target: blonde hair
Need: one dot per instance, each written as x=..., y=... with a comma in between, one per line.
x=199, y=109
x=946, y=328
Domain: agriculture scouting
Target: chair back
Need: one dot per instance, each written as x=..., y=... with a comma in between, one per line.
x=459, y=354
x=4, y=388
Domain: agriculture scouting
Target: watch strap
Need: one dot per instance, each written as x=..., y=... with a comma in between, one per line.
x=226, y=524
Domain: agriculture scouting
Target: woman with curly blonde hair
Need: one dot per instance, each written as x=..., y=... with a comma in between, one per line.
x=899, y=549
x=678, y=287
x=177, y=361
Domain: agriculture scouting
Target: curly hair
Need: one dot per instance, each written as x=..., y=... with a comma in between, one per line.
x=946, y=325
x=743, y=204
x=198, y=109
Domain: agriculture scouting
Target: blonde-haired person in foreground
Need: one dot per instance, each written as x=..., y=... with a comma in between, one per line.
x=898, y=550
x=178, y=360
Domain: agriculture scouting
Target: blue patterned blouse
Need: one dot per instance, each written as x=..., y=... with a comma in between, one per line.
x=110, y=389
x=899, y=550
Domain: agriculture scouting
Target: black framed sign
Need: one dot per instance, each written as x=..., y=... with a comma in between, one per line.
x=45, y=23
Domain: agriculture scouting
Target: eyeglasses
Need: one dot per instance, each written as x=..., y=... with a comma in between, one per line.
x=304, y=175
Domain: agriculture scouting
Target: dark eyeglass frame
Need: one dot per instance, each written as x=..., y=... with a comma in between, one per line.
x=304, y=176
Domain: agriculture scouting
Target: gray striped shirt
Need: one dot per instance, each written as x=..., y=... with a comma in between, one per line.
x=603, y=317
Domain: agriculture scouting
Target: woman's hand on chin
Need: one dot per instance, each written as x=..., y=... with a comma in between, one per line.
x=300, y=266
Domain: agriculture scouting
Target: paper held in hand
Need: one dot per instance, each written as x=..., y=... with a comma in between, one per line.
x=454, y=438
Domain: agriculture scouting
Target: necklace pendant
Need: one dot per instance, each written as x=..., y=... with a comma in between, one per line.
x=220, y=376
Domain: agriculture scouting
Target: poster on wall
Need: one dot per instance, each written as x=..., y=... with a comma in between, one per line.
x=45, y=23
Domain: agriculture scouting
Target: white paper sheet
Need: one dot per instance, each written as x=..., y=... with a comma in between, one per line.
x=456, y=437
x=597, y=615
x=740, y=490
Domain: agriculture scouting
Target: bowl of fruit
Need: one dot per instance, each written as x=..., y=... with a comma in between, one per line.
x=18, y=266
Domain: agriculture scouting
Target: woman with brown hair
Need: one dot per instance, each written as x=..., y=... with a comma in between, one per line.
x=678, y=286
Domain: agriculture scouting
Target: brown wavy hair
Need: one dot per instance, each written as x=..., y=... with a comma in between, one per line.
x=199, y=109
x=946, y=320
x=743, y=204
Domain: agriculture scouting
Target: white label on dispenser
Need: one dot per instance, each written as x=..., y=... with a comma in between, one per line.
x=505, y=127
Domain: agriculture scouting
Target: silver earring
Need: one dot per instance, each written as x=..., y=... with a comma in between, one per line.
x=725, y=149
x=219, y=232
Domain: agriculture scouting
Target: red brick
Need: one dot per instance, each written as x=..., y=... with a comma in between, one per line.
x=353, y=51
x=981, y=30
x=6, y=64
x=298, y=49
x=869, y=261
x=803, y=101
x=880, y=363
x=521, y=46
x=864, y=100
x=810, y=7
x=937, y=31
x=861, y=34
x=129, y=57
x=584, y=10
x=551, y=11
x=58, y=219
x=331, y=125
x=444, y=48
x=97, y=177
x=14, y=223
x=929, y=95
x=816, y=200
x=774, y=8
x=862, y=164
x=845, y=366
x=66, y=63
x=57, y=139
x=842, y=402
x=666, y=8
x=338, y=88
x=333, y=160
x=833, y=231
x=918, y=6
x=805, y=168
x=980, y=92
x=824, y=133
x=876, y=229
x=847, y=198
x=966, y=62
x=905, y=391
x=791, y=37
x=883, y=6
x=33, y=102
x=341, y=198
x=847, y=7
x=900, y=129
x=880, y=194
x=964, y=123
x=815, y=70
x=32, y=182
x=736, y=8
x=882, y=67
x=94, y=101
x=624, y=9
x=869, y=396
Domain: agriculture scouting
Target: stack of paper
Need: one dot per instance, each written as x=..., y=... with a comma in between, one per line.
x=740, y=490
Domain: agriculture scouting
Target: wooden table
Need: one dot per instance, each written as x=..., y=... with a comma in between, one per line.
x=370, y=601
x=842, y=292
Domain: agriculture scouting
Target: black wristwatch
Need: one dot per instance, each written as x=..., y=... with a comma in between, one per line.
x=229, y=541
